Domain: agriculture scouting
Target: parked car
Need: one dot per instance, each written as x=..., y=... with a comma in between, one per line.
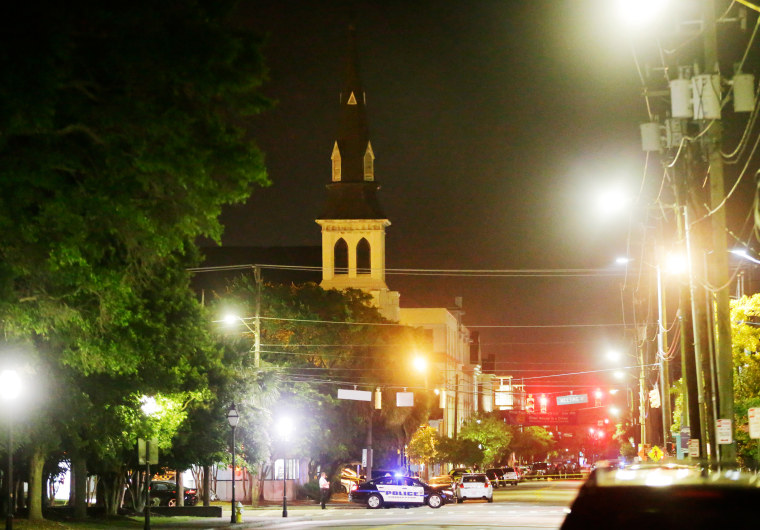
x=676, y=497
x=348, y=478
x=403, y=491
x=473, y=486
x=510, y=475
x=164, y=493
x=442, y=480
x=496, y=476
x=538, y=470
x=459, y=471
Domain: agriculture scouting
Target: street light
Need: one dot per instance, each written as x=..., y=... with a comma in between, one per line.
x=150, y=407
x=284, y=427
x=231, y=319
x=10, y=389
x=233, y=417
x=421, y=365
x=637, y=13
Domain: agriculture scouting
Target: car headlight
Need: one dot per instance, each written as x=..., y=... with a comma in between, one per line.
x=448, y=492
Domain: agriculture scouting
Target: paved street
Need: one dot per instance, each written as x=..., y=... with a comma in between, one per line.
x=529, y=505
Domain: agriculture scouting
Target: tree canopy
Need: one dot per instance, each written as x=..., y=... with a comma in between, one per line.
x=125, y=129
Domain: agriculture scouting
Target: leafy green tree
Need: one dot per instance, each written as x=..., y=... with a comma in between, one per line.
x=745, y=339
x=458, y=451
x=422, y=446
x=490, y=433
x=532, y=443
x=124, y=133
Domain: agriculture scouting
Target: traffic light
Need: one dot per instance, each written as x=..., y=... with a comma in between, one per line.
x=598, y=398
x=543, y=401
x=530, y=404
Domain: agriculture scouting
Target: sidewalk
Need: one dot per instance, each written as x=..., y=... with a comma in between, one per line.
x=266, y=515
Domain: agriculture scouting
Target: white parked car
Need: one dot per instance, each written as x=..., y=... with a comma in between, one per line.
x=511, y=476
x=473, y=486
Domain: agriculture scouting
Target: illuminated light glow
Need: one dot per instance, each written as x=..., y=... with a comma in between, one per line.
x=420, y=364
x=230, y=319
x=598, y=393
x=658, y=479
x=742, y=253
x=612, y=201
x=622, y=260
x=614, y=355
x=637, y=13
x=615, y=411
x=676, y=264
x=619, y=374
x=10, y=385
x=285, y=427
x=149, y=405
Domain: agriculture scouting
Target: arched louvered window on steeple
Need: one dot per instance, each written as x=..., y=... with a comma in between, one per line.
x=341, y=256
x=363, y=257
x=336, y=163
x=369, y=163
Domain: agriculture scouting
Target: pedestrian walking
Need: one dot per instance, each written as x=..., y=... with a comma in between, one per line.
x=324, y=489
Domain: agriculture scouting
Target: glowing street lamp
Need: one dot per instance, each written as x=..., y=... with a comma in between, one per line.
x=10, y=390
x=284, y=428
x=233, y=418
x=421, y=365
x=231, y=319
x=637, y=13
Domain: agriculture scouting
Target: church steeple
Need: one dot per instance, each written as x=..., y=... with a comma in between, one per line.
x=352, y=191
x=353, y=223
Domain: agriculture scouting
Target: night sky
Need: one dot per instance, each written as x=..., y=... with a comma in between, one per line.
x=493, y=124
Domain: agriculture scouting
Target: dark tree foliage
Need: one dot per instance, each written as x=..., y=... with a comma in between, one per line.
x=123, y=132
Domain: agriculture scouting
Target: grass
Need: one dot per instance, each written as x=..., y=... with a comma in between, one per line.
x=93, y=523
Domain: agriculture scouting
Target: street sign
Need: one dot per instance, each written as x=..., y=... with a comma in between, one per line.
x=572, y=399
x=754, y=423
x=147, y=453
x=404, y=399
x=685, y=435
x=724, y=434
x=694, y=448
x=356, y=395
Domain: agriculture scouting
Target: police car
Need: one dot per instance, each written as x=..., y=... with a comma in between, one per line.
x=399, y=491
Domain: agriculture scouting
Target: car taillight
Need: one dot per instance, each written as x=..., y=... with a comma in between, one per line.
x=190, y=492
x=354, y=487
x=488, y=483
x=461, y=485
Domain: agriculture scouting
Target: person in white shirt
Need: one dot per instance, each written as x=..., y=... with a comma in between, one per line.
x=324, y=489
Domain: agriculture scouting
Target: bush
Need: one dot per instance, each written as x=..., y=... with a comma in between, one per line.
x=309, y=490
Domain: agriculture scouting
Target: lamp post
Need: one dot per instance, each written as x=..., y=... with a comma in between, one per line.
x=285, y=427
x=149, y=407
x=233, y=417
x=10, y=388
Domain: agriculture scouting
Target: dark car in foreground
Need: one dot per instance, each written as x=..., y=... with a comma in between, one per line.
x=400, y=491
x=671, y=496
x=164, y=493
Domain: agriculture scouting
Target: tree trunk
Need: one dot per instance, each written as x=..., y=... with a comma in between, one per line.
x=36, y=463
x=79, y=489
x=180, y=488
x=206, y=485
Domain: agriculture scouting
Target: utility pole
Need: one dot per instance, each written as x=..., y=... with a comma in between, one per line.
x=699, y=325
x=719, y=277
x=662, y=352
x=257, y=319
